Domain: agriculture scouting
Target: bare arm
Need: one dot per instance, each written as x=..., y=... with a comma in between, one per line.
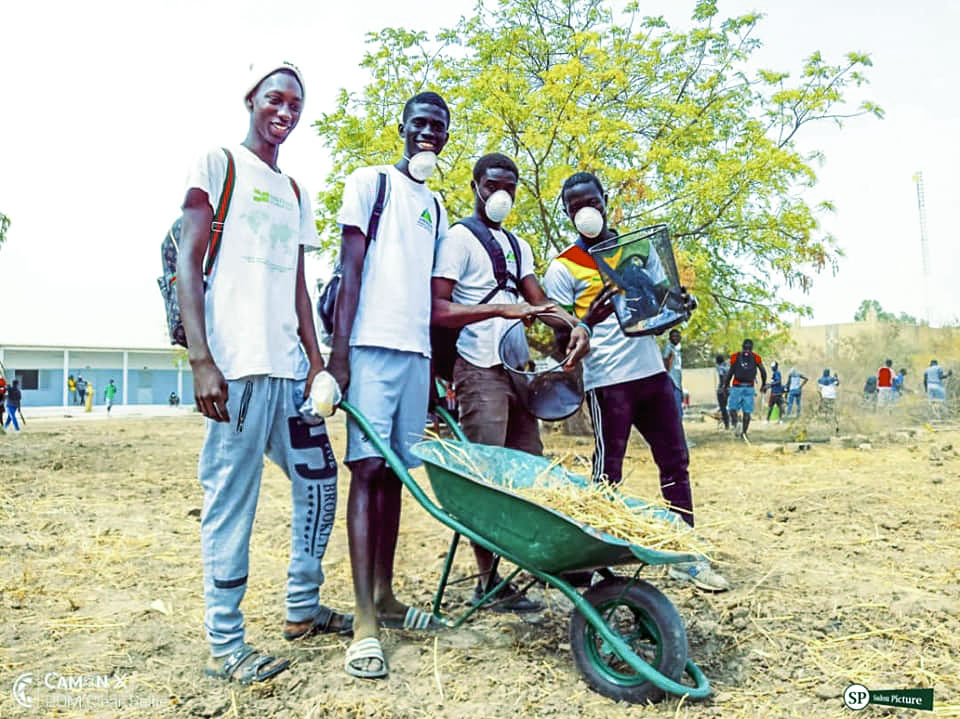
x=353, y=248
x=763, y=376
x=560, y=320
x=668, y=361
x=447, y=313
x=306, y=327
x=209, y=385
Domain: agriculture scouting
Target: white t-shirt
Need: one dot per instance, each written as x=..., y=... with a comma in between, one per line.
x=572, y=280
x=462, y=258
x=828, y=391
x=394, y=307
x=250, y=302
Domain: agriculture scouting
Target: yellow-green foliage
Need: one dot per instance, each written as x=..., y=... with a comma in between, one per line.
x=674, y=122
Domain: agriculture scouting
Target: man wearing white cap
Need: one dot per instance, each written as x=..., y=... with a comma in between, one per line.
x=254, y=354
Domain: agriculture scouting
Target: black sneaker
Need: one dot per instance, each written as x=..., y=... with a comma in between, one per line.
x=508, y=599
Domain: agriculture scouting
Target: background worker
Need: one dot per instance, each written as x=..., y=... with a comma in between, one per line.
x=898, y=379
x=13, y=405
x=109, y=392
x=776, y=393
x=722, y=367
x=3, y=396
x=673, y=363
x=828, y=385
x=885, y=384
x=933, y=377
x=743, y=376
x=795, y=382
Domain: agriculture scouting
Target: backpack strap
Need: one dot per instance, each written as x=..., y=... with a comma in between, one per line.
x=500, y=273
x=296, y=188
x=216, y=227
x=377, y=208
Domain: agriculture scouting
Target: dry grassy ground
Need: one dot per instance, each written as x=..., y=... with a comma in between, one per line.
x=844, y=563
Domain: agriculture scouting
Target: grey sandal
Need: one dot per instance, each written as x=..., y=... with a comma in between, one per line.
x=321, y=624
x=246, y=665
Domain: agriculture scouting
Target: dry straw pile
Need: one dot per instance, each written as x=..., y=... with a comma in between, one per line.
x=596, y=505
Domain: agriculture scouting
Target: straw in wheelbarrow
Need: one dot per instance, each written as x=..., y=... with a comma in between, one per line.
x=597, y=506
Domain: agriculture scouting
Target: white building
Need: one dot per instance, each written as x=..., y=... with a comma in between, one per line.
x=143, y=375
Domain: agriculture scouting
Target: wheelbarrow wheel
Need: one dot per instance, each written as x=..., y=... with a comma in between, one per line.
x=643, y=618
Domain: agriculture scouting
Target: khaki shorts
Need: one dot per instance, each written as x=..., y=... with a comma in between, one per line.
x=490, y=411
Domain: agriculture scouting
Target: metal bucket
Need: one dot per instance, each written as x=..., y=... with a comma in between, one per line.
x=544, y=387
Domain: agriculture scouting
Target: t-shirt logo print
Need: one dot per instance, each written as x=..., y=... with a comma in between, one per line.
x=426, y=221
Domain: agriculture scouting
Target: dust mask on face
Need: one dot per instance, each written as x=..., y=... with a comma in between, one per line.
x=588, y=221
x=422, y=165
x=498, y=206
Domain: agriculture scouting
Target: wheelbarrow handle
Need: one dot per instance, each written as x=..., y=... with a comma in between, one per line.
x=391, y=458
x=403, y=474
x=451, y=423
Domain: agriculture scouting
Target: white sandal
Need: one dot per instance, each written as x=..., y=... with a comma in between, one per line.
x=359, y=656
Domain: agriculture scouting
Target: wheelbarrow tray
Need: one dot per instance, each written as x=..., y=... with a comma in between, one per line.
x=538, y=536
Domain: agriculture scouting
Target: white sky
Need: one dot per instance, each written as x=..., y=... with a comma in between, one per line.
x=106, y=104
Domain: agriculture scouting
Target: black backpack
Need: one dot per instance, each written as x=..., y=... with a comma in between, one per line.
x=745, y=368
x=170, y=250
x=443, y=340
x=327, y=302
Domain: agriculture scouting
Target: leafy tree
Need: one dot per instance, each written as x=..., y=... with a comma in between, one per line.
x=674, y=123
x=870, y=307
x=4, y=226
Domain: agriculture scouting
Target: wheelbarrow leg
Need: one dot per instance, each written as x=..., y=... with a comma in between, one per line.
x=447, y=566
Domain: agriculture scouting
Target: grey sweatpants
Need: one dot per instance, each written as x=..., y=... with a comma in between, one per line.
x=230, y=468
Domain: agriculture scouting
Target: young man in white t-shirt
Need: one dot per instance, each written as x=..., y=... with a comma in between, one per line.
x=463, y=277
x=626, y=382
x=254, y=353
x=380, y=357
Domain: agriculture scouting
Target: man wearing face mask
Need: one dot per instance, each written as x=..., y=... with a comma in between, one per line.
x=627, y=385
x=466, y=294
x=380, y=357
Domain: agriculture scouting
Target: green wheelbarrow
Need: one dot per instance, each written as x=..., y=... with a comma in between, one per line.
x=626, y=637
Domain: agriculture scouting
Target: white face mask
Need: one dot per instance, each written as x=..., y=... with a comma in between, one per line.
x=588, y=221
x=498, y=206
x=422, y=165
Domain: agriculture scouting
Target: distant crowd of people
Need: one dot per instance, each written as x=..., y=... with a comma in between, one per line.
x=736, y=393
x=736, y=381
x=887, y=387
x=80, y=390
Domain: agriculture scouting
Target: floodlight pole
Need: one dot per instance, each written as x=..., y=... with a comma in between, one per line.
x=924, y=247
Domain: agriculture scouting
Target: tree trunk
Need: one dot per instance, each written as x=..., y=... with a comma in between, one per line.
x=578, y=425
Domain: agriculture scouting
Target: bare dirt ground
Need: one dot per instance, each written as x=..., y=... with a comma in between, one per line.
x=844, y=561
